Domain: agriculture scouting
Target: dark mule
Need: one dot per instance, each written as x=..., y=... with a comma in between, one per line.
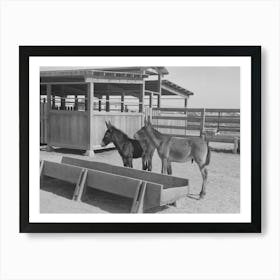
x=175, y=149
x=148, y=148
x=128, y=148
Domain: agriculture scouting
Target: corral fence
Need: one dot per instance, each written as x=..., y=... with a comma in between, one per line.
x=215, y=125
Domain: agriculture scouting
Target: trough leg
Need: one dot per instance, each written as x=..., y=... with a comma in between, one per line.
x=141, y=198
x=49, y=148
x=138, y=202
x=89, y=153
x=41, y=167
x=135, y=199
x=80, y=186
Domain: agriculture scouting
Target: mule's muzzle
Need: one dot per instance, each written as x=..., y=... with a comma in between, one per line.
x=102, y=144
x=135, y=136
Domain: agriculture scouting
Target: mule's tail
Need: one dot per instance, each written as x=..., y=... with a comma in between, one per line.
x=208, y=157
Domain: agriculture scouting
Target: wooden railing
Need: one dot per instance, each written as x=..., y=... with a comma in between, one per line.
x=216, y=125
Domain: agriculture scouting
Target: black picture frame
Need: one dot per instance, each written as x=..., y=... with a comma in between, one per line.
x=25, y=52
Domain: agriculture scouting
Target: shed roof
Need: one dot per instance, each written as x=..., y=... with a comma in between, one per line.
x=84, y=73
x=136, y=74
x=148, y=70
x=168, y=88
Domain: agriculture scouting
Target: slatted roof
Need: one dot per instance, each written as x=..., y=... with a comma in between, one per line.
x=92, y=73
x=121, y=73
x=148, y=70
x=168, y=88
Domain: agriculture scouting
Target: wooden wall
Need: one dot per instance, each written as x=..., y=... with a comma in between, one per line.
x=127, y=122
x=68, y=129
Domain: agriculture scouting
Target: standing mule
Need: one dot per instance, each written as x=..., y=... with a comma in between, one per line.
x=147, y=146
x=128, y=148
x=175, y=149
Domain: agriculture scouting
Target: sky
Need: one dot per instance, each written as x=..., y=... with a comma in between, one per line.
x=213, y=87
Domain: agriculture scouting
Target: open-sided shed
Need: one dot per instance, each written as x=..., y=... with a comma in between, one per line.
x=76, y=103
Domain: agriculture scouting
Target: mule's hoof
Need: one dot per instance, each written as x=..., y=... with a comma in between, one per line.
x=202, y=195
x=175, y=204
x=193, y=196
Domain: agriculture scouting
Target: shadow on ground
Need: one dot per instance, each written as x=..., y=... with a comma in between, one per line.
x=74, y=151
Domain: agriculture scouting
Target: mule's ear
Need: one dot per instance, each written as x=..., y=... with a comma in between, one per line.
x=145, y=121
x=107, y=124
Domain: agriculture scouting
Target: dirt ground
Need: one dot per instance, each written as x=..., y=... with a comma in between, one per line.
x=223, y=189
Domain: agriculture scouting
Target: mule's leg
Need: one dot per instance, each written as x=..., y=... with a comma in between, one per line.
x=130, y=164
x=125, y=162
x=169, y=168
x=150, y=160
x=144, y=163
x=164, y=166
x=204, y=173
x=150, y=164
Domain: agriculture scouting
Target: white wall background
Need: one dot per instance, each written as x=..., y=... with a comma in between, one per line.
x=124, y=256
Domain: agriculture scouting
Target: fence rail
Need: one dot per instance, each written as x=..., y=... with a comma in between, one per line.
x=207, y=110
x=216, y=125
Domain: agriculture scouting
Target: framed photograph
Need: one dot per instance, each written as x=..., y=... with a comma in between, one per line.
x=140, y=139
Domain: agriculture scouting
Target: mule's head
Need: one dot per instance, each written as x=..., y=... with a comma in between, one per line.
x=141, y=134
x=107, y=138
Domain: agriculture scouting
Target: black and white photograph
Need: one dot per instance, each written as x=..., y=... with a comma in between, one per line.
x=179, y=124
x=138, y=135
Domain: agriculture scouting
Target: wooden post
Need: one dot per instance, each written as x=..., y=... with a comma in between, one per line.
x=122, y=102
x=107, y=102
x=159, y=90
x=186, y=114
x=49, y=148
x=62, y=107
x=141, y=98
x=151, y=100
x=53, y=102
x=76, y=103
x=150, y=111
x=202, y=122
x=186, y=103
x=99, y=104
x=90, y=94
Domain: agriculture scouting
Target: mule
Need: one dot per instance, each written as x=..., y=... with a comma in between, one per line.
x=148, y=148
x=175, y=149
x=128, y=148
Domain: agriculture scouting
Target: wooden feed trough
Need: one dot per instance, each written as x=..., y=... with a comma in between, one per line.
x=146, y=189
